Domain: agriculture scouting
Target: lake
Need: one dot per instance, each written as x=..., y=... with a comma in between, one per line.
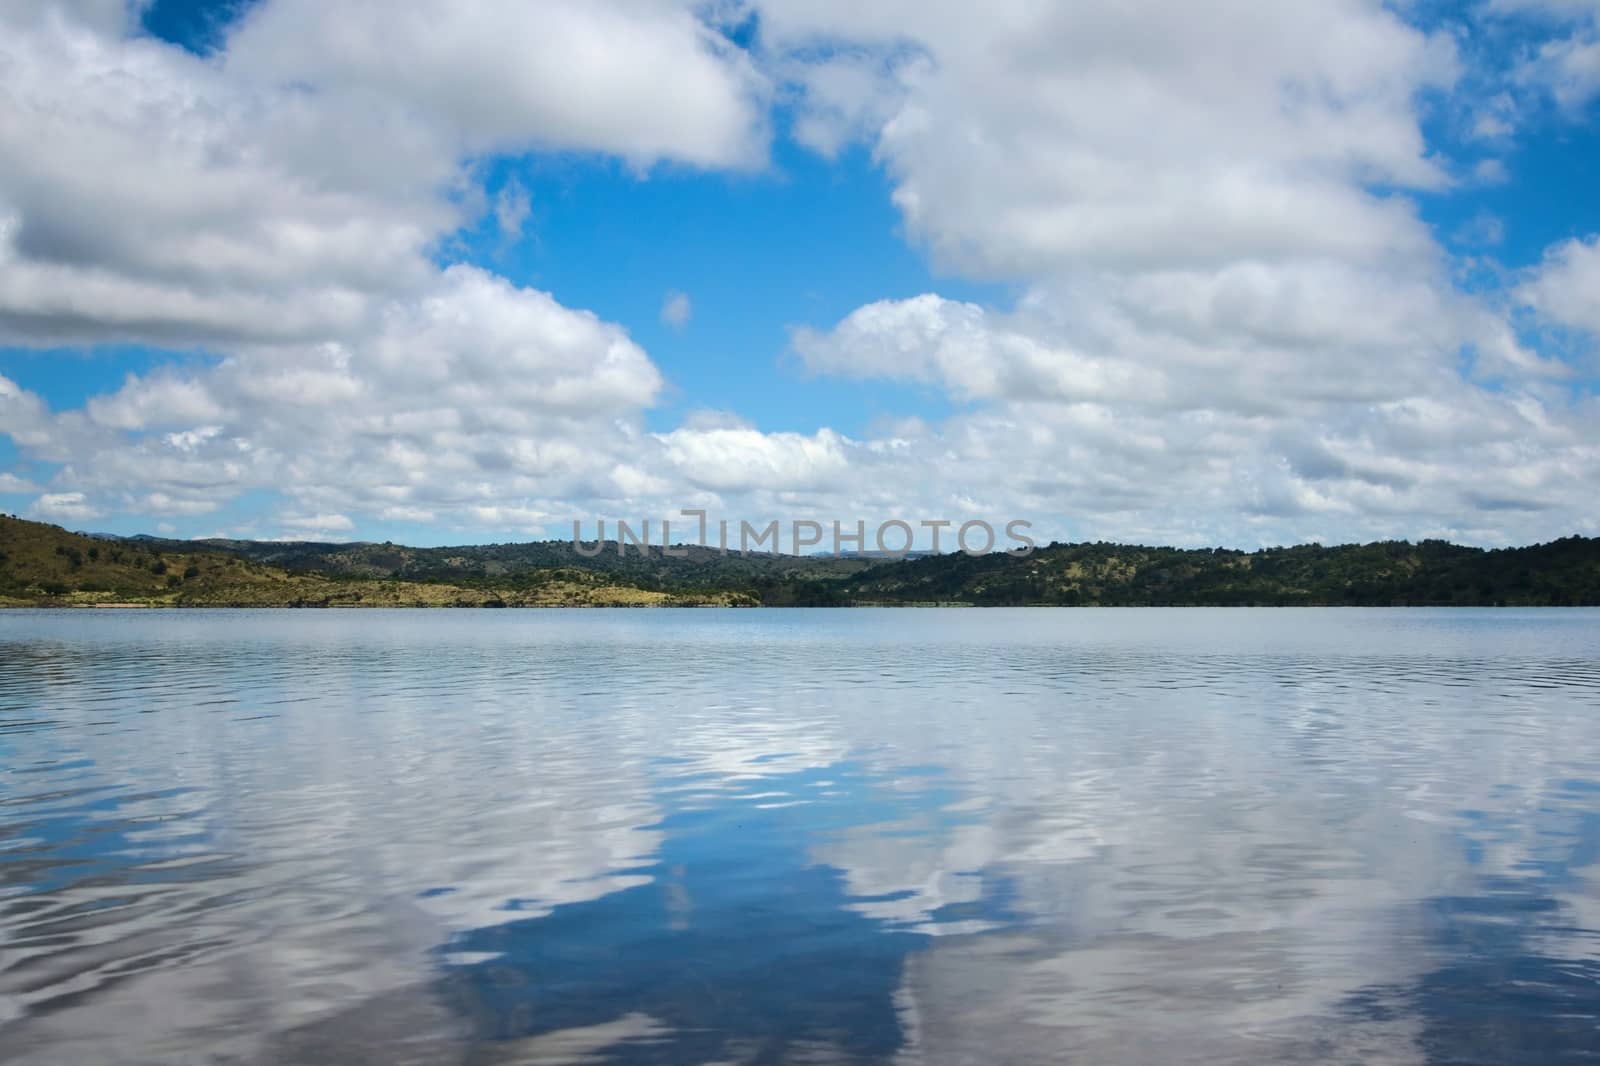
x=942, y=836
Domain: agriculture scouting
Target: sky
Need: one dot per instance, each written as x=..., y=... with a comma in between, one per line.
x=1177, y=272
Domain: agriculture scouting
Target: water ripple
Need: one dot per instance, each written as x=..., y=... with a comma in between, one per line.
x=691, y=836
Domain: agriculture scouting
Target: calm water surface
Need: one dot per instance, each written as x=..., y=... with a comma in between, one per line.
x=793, y=836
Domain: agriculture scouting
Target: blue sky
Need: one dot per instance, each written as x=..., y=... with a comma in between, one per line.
x=1168, y=275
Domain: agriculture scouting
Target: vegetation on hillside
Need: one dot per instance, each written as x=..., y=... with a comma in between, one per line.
x=499, y=564
x=42, y=564
x=1389, y=573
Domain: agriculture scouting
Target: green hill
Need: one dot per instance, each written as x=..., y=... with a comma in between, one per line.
x=44, y=565
x=501, y=563
x=1562, y=573
x=41, y=564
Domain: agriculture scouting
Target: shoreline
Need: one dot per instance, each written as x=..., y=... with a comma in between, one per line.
x=882, y=606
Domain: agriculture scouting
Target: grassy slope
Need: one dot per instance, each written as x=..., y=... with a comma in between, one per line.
x=46, y=565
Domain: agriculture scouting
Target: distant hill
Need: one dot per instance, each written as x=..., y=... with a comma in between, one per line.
x=1389, y=573
x=41, y=564
x=495, y=562
x=44, y=565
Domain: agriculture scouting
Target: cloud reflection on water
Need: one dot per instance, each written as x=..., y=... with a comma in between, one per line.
x=938, y=836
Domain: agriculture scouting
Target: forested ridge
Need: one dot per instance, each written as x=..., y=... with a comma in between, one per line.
x=43, y=564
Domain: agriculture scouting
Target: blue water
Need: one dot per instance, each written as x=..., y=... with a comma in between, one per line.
x=941, y=836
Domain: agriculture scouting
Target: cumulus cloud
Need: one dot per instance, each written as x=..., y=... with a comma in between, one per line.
x=1178, y=413
x=273, y=192
x=740, y=459
x=641, y=81
x=1230, y=307
x=473, y=391
x=1043, y=136
x=280, y=202
x=64, y=507
x=23, y=415
x=1230, y=323
x=319, y=524
x=1246, y=338
x=173, y=204
x=1565, y=287
x=961, y=347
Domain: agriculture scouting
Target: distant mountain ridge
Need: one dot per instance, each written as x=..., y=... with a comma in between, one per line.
x=1564, y=572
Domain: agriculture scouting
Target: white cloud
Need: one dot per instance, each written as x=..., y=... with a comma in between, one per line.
x=643, y=81
x=1247, y=406
x=11, y=483
x=273, y=192
x=161, y=503
x=676, y=309
x=1570, y=69
x=1202, y=202
x=848, y=95
x=1231, y=322
x=473, y=392
x=1043, y=137
x=740, y=459
x=64, y=507
x=23, y=416
x=108, y=17
x=172, y=203
x=1227, y=331
x=161, y=400
x=318, y=523
x=1565, y=288
x=1246, y=338
x=190, y=439
x=1567, y=64
x=930, y=339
